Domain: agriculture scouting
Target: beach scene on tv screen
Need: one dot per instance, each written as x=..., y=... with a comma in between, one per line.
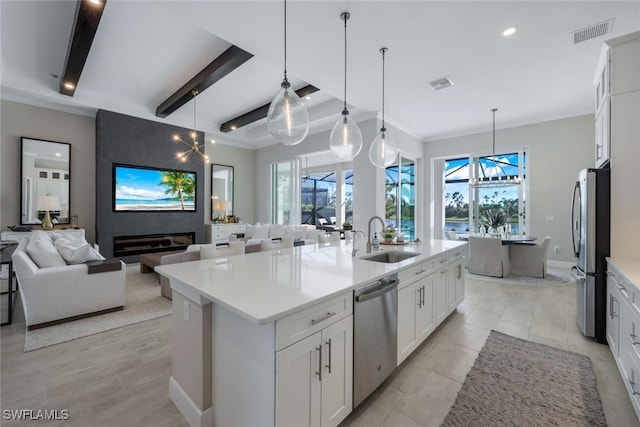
x=154, y=190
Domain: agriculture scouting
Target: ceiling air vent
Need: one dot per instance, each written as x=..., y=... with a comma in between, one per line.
x=441, y=83
x=592, y=31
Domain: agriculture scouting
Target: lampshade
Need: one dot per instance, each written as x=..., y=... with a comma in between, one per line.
x=287, y=119
x=226, y=205
x=383, y=150
x=217, y=205
x=346, y=139
x=48, y=203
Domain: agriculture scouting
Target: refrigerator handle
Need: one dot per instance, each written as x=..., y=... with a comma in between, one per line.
x=574, y=223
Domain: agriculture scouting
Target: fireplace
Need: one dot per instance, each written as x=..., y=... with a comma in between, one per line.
x=145, y=243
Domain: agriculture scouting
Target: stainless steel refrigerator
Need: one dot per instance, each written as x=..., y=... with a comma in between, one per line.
x=590, y=218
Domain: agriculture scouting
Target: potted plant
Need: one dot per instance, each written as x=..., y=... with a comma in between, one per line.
x=494, y=218
x=347, y=225
x=388, y=234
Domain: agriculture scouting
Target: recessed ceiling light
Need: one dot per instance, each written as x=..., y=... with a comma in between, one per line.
x=213, y=141
x=69, y=86
x=307, y=97
x=509, y=31
x=58, y=154
x=233, y=127
x=95, y=1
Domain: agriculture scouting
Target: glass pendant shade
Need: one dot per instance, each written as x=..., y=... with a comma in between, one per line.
x=383, y=150
x=346, y=139
x=288, y=119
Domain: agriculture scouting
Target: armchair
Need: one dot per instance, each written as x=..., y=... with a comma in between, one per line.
x=530, y=260
x=488, y=257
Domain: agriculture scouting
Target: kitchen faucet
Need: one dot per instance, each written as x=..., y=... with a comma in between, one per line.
x=354, y=251
x=369, y=230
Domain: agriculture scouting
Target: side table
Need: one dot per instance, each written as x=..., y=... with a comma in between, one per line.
x=5, y=255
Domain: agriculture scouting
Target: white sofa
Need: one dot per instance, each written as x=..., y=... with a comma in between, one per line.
x=54, y=294
x=256, y=233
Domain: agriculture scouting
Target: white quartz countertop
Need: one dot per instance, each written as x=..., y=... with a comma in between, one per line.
x=267, y=286
x=628, y=267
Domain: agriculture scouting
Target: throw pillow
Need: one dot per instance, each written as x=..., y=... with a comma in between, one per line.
x=260, y=231
x=76, y=251
x=298, y=232
x=277, y=230
x=43, y=253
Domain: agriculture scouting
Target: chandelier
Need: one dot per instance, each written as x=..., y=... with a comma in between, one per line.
x=194, y=146
x=494, y=181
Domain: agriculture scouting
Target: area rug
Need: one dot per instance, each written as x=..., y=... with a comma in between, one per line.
x=555, y=277
x=143, y=302
x=522, y=383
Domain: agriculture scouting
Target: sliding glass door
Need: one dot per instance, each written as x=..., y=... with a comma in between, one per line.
x=285, y=189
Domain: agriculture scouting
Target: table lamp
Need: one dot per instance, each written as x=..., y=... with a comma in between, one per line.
x=46, y=204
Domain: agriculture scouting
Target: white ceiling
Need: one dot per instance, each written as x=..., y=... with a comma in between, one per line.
x=145, y=50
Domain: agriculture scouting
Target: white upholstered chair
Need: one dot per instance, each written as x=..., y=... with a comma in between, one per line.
x=530, y=260
x=451, y=235
x=488, y=257
x=282, y=243
x=197, y=252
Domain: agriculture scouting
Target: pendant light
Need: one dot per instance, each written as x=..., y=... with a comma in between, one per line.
x=195, y=146
x=287, y=119
x=346, y=139
x=383, y=150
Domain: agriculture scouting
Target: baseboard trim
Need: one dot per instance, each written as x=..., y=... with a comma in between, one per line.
x=194, y=415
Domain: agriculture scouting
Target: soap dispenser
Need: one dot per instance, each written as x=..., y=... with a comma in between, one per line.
x=375, y=243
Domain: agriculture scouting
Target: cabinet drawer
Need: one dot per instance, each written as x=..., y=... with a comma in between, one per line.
x=456, y=253
x=413, y=273
x=299, y=325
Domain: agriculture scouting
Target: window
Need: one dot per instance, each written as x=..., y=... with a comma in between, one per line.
x=477, y=189
x=400, y=204
x=285, y=192
x=319, y=198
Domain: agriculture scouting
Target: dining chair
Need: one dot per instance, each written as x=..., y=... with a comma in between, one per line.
x=451, y=235
x=488, y=257
x=530, y=260
x=283, y=243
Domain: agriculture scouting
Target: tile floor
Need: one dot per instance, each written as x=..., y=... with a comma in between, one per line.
x=120, y=377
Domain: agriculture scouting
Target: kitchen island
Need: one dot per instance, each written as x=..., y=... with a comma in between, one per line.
x=265, y=339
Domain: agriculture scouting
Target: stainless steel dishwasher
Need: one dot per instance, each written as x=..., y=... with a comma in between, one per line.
x=375, y=327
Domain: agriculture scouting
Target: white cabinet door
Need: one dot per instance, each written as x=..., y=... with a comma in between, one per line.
x=440, y=295
x=408, y=300
x=298, y=385
x=425, y=322
x=456, y=280
x=337, y=375
x=603, y=129
x=613, y=317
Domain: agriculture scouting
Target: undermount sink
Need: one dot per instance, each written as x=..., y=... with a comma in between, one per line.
x=390, y=256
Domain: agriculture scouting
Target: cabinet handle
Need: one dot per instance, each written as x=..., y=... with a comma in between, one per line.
x=325, y=317
x=459, y=271
x=419, y=297
x=328, y=366
x=611, y=300
x=633, y=386
x=319, y=373
x=633, y=339
x=457, y=254
x=420, y=271
x=442, y=261
x=423, y=292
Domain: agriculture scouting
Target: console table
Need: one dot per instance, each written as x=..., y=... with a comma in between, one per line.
x=219, y=233
x=18, y=235
x=5, y=255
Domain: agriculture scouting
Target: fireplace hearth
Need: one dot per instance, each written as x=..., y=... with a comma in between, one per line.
x=146, y=243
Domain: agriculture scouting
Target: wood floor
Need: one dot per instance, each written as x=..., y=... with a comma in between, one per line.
x=120, y=377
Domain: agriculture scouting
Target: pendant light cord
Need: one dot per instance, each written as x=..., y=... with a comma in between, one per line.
x=195, y=93
x=383, y=50
x=493, y=110
x=345, y=17
x=285, y=39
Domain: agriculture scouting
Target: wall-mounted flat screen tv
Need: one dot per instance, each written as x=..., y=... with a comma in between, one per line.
x=145, y=189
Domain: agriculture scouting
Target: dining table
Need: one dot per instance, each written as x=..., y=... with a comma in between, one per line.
x=513, y=239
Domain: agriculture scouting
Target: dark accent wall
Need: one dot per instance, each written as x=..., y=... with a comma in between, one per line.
x=133, y=141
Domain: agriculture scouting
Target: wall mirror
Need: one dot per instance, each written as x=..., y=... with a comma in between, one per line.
x=45, y=172
x=221, y=192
